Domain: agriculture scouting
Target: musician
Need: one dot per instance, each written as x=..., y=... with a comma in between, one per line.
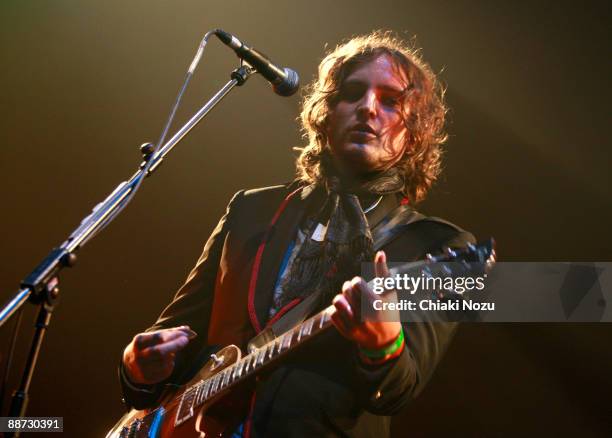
x=374, y=119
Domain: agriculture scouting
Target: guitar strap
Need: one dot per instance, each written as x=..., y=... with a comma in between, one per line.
x=384, y=232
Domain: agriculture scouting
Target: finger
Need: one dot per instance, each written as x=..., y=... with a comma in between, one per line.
x=167, y=349
x=183, y=328
x=187, y=330
x=343, y=307
x=352, y=291
x=343, y=316
x=380, y=264
x=144, y=340
x=149, y=339
x=358, y=291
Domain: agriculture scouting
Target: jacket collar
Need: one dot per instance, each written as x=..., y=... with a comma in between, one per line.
x=276, y=239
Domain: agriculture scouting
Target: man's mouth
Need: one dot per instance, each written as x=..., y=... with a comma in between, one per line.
x=363, y=128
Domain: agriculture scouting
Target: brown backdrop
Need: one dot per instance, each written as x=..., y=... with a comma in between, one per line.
x=84, y=83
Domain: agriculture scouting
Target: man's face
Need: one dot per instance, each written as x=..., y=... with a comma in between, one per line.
x=365, y=128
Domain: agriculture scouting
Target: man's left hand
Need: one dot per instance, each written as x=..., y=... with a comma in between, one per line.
x=368, y=334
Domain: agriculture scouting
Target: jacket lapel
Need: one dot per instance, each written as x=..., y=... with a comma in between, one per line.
x=278, y=236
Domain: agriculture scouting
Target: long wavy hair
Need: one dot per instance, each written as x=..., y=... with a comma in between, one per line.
x=423, y=110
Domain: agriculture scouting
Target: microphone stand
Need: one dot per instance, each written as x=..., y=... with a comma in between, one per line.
x=41, y=286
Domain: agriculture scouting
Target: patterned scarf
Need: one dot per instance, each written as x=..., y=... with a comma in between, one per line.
x=338, y=238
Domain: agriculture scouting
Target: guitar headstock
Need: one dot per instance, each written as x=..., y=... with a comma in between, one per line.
x=482, y=253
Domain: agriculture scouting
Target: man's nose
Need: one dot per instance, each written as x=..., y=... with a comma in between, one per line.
x=367, y=105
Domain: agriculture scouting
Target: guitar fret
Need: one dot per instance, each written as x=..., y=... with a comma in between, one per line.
x=215, y=384
x=240, y=367
x=308, y=326
x=273, y=350
x=248, y=366
x=325, y=318
x=237, y=371
x=201, y=396
x=301, y=332
x=286, y=342
x=202, y=393
x=264, y=352
x=249, y=362
x=295, y=336
x=260, y=356
x=207, y=388
x=196, y=398
x=225, y=381
x=276, y=346
x=269, y=351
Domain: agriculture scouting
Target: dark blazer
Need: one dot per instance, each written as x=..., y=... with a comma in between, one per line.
x=323, y=390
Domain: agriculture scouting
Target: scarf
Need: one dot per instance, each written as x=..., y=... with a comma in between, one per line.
x=337, y=236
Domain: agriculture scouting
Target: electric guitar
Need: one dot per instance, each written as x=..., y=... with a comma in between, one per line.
x=206, y=406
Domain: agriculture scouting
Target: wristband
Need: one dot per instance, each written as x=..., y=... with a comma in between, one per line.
x=387, y=351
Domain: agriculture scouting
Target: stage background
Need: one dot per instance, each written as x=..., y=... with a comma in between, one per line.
x=528, y=161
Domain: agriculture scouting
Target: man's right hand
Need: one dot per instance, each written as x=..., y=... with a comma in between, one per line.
x=149, y=358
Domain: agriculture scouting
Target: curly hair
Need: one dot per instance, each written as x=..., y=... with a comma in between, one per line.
x=424, y=119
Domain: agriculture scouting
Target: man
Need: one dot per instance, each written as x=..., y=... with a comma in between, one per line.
x=374, y=119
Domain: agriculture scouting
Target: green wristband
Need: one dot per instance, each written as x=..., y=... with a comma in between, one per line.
x=379, y=354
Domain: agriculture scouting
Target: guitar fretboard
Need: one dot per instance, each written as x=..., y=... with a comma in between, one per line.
x=250, y=364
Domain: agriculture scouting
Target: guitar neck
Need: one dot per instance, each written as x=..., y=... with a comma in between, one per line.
x=252, y=363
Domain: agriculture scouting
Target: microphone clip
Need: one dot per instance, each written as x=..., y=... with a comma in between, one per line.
x=242, y=73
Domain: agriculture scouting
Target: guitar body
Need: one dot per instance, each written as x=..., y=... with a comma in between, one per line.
x=216, y=418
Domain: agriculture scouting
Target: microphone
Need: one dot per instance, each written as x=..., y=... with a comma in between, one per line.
x=284, y=81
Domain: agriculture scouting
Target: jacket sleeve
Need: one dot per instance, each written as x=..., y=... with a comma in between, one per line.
x=387, y=388
x=191, y=306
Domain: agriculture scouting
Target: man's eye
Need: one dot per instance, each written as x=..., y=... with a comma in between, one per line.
x=351, y=93
x=390, y=100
